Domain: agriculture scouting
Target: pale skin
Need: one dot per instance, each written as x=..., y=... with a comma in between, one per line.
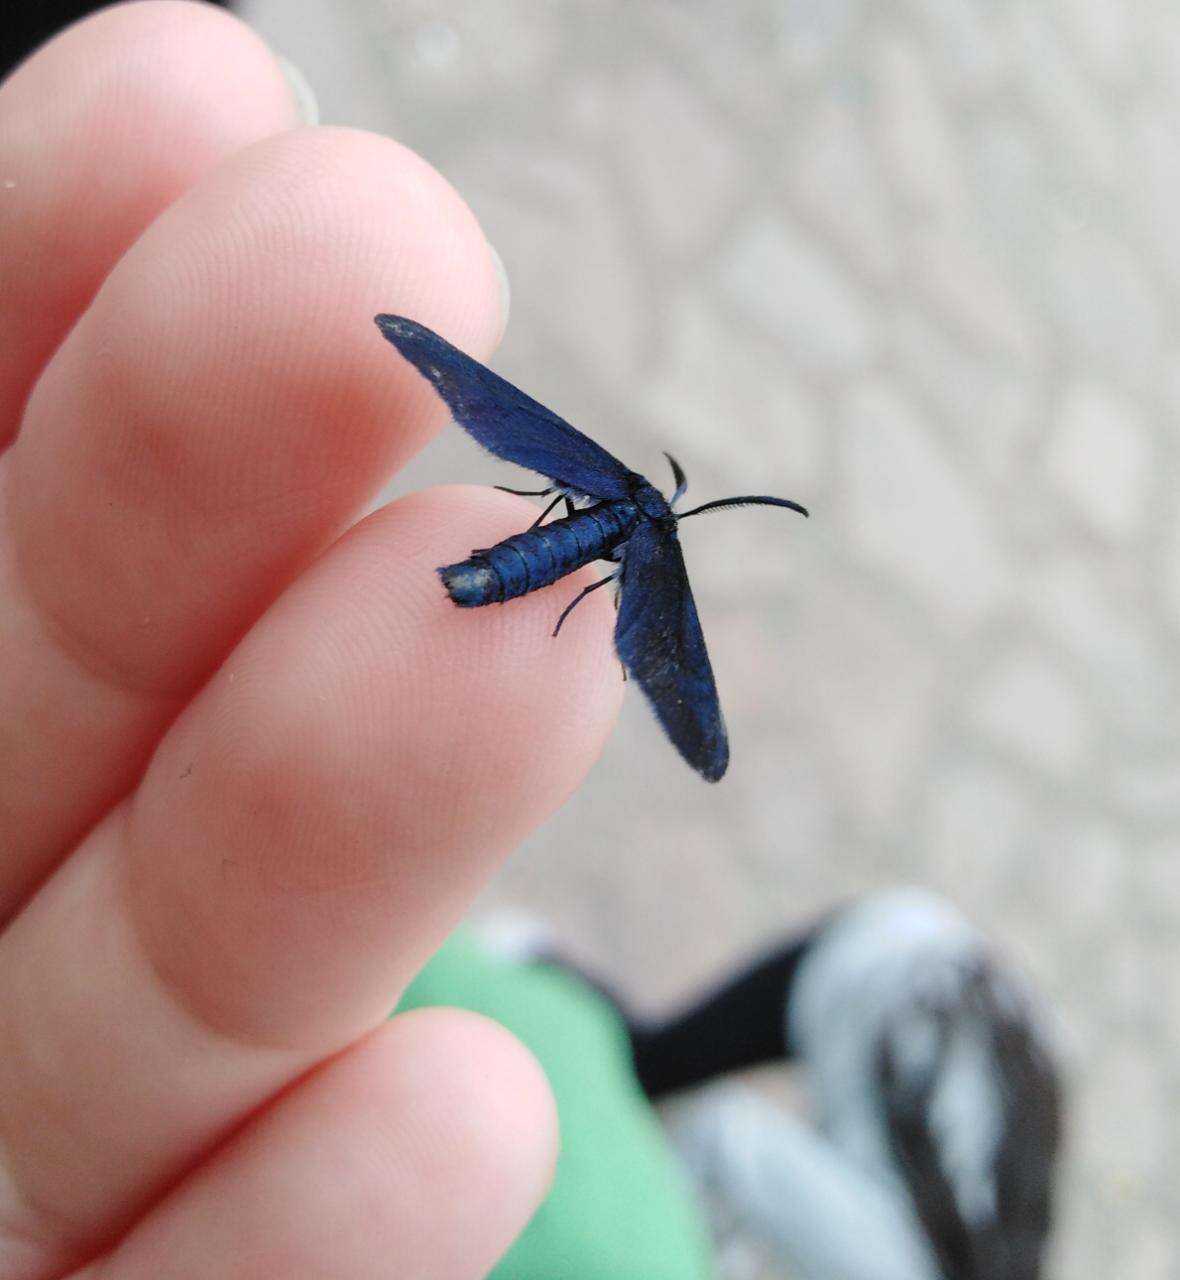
x=253, y=764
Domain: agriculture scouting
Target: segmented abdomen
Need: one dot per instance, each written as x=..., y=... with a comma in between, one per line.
x=537, y=557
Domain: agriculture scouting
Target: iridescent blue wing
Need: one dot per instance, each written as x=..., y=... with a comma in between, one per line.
x=658, y=636
x=506, y=421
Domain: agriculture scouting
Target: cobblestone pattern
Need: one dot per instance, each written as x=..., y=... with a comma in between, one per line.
x=917, y=264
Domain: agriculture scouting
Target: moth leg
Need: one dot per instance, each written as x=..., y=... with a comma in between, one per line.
x=570, y=509
x=569, y=608
x=525, y=493
x=547, y=510
x=618, y=573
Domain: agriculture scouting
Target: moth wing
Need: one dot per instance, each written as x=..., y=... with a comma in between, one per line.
x=504, y=420
x=659, y=639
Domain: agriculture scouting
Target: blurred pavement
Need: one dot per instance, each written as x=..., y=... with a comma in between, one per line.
x=917, y=265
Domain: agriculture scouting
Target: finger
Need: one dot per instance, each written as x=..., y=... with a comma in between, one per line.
x=101, y=130
x=219, y=413
x=421, y=1152
x=305, y=836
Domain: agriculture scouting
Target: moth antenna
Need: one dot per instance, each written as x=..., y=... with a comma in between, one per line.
x=680, y=478
x=525, y=493
x=749, y=500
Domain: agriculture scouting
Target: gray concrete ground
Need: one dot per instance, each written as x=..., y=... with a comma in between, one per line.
x=917, y=264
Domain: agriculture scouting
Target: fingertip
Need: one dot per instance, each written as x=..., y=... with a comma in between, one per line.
x=162, y=55
x=104, y=127
x=285, y=250
x=300, y=87
x=505, y=287
x=424, y=1147
x=369, y=754
x=490, y=1100
x=236, y=420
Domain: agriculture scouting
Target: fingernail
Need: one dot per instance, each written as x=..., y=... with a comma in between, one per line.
x=302, y=92
x=505, y=288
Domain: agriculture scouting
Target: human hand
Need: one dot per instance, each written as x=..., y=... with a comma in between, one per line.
x=252, y=767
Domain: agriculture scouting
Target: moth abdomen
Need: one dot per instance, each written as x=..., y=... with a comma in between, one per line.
x=471, y=582
x=534, y=559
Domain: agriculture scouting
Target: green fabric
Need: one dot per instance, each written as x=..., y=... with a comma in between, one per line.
x=620, y=1207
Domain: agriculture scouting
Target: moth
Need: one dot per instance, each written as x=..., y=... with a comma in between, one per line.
x=628, y=521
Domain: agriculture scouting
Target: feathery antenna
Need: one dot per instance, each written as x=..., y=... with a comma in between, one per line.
x=750, y=500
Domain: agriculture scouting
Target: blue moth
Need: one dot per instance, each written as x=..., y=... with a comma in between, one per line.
x=628, y=521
